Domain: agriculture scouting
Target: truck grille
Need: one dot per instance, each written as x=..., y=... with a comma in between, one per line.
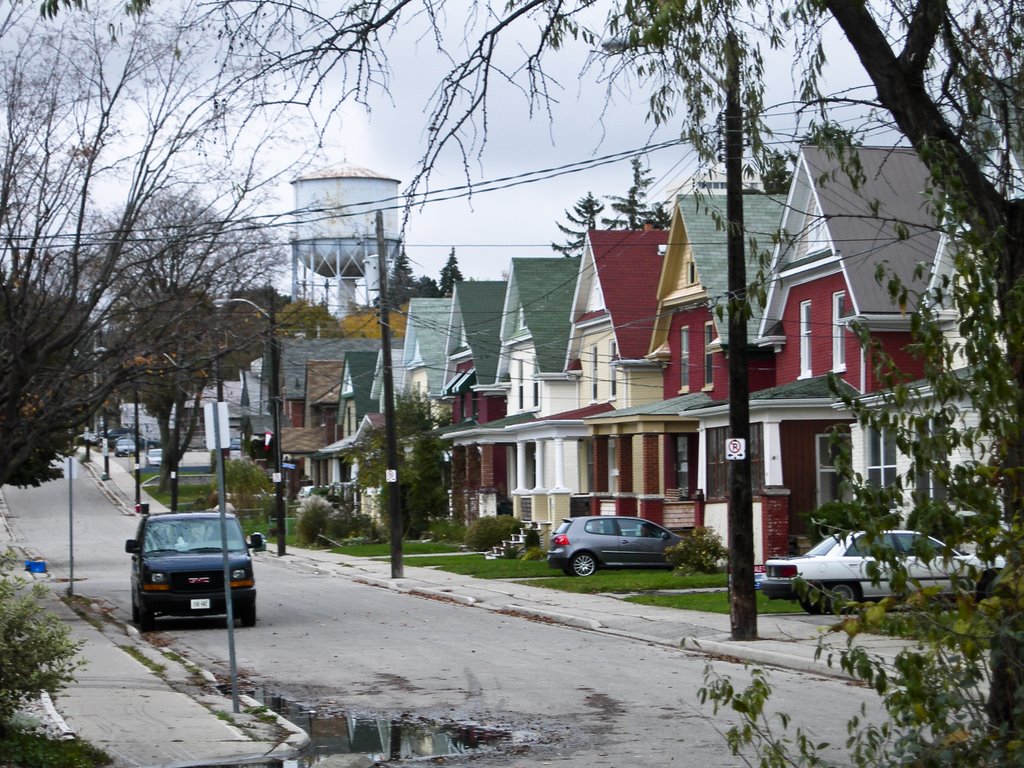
x=199, y=581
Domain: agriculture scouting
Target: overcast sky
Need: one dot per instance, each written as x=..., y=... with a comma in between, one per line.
x=492, y=227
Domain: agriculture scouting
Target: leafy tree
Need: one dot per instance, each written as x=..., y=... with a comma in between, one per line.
x=946, y=76
x=182, y=257
x=450, y=275
x=71, y=329
x=244, y=480
x=775, y=170
x=37, y=653
x=425, y=495
x=582, y=218
x=314, y=321
x=419, y=468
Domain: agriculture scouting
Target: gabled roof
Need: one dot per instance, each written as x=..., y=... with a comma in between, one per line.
x=397, y=376
x=618, y=279
x=886, y=219
x=475, y=325
x=425, y=339
x=322, y=380
x=357, y=383
x=295, y=352
x=539, y=295
x=705, y=218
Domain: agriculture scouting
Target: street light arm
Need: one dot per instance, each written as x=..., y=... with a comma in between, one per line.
x=239, y=300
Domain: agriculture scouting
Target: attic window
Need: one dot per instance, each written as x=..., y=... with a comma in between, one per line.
x=691, y=272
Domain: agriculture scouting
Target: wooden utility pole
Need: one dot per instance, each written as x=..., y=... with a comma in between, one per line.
x=390, y=434
x=742, y=597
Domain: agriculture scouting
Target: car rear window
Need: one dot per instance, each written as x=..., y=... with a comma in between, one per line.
x=603, y=527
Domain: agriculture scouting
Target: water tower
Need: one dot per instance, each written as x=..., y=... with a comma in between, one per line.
x=335, y=243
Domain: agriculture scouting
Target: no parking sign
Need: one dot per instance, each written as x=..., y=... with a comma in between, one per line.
x=735, y=449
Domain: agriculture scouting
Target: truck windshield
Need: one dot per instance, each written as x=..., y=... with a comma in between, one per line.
x=191, y=536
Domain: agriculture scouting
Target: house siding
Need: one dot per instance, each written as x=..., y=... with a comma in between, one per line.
x=819, y=293
x=800, y=465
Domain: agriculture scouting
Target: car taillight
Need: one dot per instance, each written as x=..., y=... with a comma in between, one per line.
x=785, y=571
x=560, y=540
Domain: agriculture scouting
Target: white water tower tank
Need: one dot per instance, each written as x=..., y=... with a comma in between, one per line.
x=336, y=231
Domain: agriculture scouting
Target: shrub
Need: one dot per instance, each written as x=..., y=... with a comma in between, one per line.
x=488, y=532
x=346, y=523
x=531, y=539
x=700, y=551
x=534, y=553
x=314, y=514
x=36, y=650
x=244, y=480
x=449, y=530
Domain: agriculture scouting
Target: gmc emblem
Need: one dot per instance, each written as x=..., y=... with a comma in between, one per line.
x=198, y=579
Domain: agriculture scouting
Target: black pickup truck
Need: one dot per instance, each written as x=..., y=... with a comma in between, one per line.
x=178, y=568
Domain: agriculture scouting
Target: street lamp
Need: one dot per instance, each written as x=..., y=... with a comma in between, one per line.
x=274, y=393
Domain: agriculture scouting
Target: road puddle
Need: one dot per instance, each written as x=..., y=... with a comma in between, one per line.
x=346, y=740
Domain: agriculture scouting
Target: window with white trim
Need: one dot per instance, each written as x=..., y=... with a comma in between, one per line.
x=684, y=358
x=613, y=355
x=881, y=457
x=838, y=331
x=829, y=448
x=805, y=339
x=709, y=355
x=593, y=372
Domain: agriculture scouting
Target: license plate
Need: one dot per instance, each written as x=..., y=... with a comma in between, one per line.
x=201, y=605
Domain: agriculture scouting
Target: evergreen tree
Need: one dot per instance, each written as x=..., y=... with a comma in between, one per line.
x=426, y=288
x=450, y=275
x=632, y=210
x=582, y=218
x=400, y=282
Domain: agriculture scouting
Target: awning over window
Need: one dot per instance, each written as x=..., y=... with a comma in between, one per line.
x=460, y=383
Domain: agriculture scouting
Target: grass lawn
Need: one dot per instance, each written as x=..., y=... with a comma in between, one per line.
x=408, y=548
x=30, y=750
x=603, y=581
x=714, y=602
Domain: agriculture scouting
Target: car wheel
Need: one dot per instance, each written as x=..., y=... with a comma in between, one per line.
x=136, y=618
x=248, y=616
x=583, y=564
x=811, y=605
x=985, y=585
x=842, y=594
x=147, y=620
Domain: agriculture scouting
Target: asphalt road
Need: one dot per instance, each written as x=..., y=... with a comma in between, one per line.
x=570, y=695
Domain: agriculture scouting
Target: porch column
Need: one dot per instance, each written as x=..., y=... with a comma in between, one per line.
x=487, y=465
x=652, y=501
x=459, y=483
x=538, y=467
x=473, y=467
x=559, y=487
x=625, y=499
x=520, y=468
x=600, y=479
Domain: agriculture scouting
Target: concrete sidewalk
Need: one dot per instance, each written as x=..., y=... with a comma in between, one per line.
x=143, y=718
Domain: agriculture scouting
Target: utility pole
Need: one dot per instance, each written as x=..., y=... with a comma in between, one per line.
x=742, y=597
x=274, y=392
x=390, y=436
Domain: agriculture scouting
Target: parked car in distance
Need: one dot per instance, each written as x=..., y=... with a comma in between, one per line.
x=841, y=567
x=90, y=438
x=582, y=545
x=154, y=456
x=178, y=568
x=124, y=446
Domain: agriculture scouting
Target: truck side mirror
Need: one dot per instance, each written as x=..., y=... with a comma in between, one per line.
x=131, y=546
x=257, y=543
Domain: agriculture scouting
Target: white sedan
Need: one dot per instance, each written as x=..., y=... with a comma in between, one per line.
x=843, y=567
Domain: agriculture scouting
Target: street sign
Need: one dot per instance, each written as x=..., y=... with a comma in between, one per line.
x=735, y=449
x=286, y=465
